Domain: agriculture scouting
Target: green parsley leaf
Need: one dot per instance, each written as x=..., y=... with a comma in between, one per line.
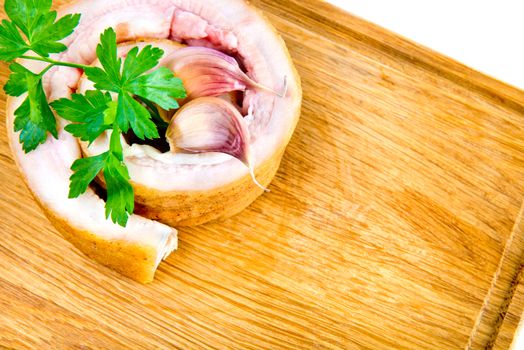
x=137, y=63
x=160, y=87
x=85, y=171
x=27, y=13
x=17, y=83
x=109, y=77
x=101, y=79
x=130, y=112
x=107, y=54
x=34, y=118
x=87, y=111
x=36, y=20
x=12, y=45
x=120, y=196
x=48, y=32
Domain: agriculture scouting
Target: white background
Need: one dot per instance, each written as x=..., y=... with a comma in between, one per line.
x=487, y=35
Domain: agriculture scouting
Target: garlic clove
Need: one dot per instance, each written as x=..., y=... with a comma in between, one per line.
x=208, y=72
x=211, y=124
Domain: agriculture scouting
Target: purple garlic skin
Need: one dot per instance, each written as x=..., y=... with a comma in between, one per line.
x=208, y=72
x=211, y=124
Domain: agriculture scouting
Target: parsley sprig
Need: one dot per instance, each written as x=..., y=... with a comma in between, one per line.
x=113, y=106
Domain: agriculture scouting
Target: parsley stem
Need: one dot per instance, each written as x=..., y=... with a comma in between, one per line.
x=55, y=63
x=45, y=71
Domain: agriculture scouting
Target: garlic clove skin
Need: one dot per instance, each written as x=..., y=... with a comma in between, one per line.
x=208, y=72
x=211, y=124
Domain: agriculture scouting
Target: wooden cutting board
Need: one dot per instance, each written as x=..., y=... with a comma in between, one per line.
x=394, y=222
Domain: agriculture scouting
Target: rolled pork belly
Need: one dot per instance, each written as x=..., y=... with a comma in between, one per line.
x=171, y=188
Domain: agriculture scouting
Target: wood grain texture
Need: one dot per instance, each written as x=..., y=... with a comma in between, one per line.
x=385, y=227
